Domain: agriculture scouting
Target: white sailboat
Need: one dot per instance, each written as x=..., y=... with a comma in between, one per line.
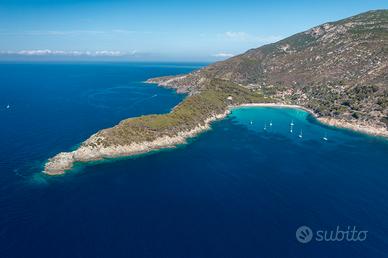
x=301, y=134
x=8, y=106
x=291, y=126
x=325, y=137
x=270, y=123
x=251, y=122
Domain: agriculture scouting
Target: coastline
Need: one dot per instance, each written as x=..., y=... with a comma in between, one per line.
x=329, y=121
x=357, y=127
x=64, y=161
x=280, y=105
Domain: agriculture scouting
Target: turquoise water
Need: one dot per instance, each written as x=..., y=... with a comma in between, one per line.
x=234, y=191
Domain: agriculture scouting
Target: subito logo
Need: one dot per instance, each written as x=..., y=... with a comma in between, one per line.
x=304, y=234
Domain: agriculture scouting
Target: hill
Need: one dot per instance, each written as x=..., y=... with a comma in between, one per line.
x=337, y=69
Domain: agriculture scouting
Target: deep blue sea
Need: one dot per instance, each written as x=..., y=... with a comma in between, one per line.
x=241, y=189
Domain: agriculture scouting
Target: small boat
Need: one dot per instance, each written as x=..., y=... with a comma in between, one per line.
x=8, y=106
x=251, y=123
x=325, y=137
x=270, y=123
x=291, y=126
x=301, y=134
x=265, y=126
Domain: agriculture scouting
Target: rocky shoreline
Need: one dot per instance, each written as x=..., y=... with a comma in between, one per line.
x=64, y=161
x=358, y=127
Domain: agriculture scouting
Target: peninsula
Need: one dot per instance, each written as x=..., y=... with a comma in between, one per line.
x=338, y=71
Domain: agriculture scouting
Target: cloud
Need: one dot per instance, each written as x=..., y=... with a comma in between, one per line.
x=239, y=35
x=108, y=53
x=223, y=55
x=246, y=37
x=48, y=52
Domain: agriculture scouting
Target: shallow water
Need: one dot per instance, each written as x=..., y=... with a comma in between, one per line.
x=235, y=191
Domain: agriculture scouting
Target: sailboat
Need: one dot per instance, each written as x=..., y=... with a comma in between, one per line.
x=325, y=137
x=270, y=123
x=8, y=106
x=292, y=122
x=265, y=126
x=301, y=134
x=251, y=123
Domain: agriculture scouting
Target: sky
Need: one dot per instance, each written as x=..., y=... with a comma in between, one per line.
x=153, y=30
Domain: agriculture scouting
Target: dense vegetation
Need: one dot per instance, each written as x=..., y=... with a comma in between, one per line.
x=213, y=99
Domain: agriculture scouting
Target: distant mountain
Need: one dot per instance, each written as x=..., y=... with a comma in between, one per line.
x=338, y=69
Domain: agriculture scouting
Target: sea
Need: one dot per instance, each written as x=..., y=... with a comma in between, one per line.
x=263, y=182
